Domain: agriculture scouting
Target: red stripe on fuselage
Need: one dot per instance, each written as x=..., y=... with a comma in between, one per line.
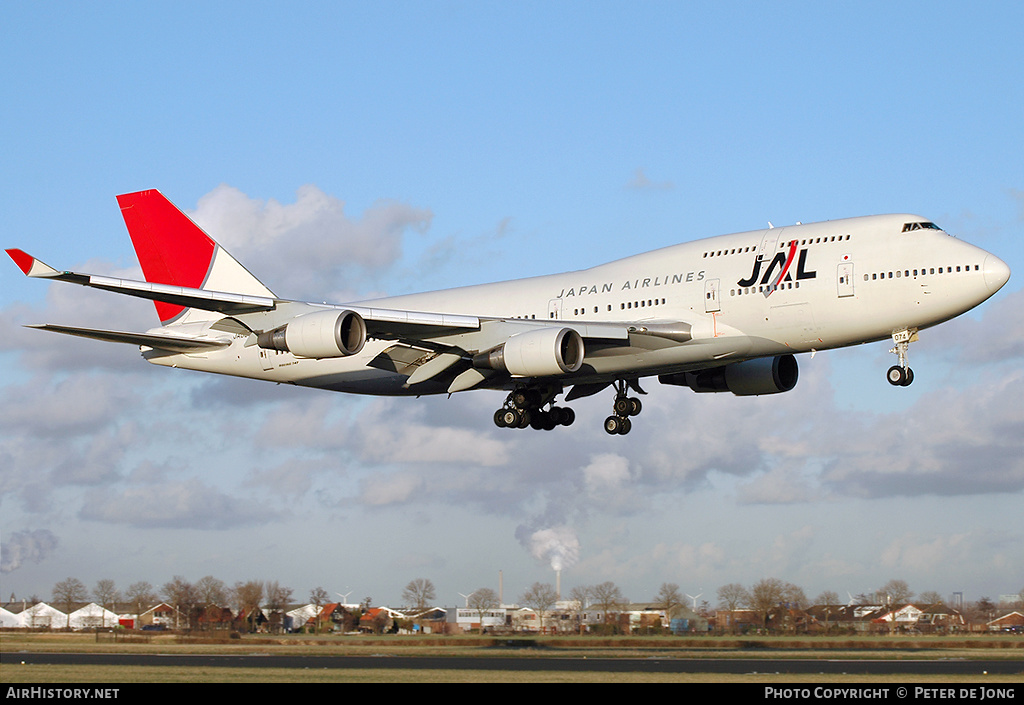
x=789, y=261
x=170, y=247
x=785, y=268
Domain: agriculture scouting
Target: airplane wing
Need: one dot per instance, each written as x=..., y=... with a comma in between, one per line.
x=439, y=333
x=173, y=343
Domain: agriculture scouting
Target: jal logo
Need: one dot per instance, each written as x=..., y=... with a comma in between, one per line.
x=782, y=264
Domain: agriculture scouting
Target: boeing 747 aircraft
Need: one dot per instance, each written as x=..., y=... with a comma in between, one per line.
x=723, y=314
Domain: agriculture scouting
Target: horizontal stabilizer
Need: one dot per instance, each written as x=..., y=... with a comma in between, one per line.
x=176, y=344
x=30, y=265
x=219, y=301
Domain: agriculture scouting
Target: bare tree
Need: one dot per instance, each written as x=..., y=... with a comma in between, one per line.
x=419, y=593
x=482, y=601
x=106, y=595
x=67, y=592
x=668, y=598
x=541, y=597
x=608, y=598
x=211, y=591
x=896, y=592
x=930, y=597
x=733, y=597
x=766, y=595
x=318, y=598
x=248, y=597
x=793, y=596
x=140, y=594
x=579, y=598
x=182, y=595
x=828, y=597
x=277, y=601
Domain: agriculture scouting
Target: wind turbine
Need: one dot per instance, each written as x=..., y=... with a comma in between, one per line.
x=466, y=597
x=694, y=598
x=344, y=598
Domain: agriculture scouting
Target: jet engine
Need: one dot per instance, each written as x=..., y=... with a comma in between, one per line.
x=318, y=335
x=767, y=375
x=537, y=353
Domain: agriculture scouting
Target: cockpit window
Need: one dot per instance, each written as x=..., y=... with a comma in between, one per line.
x=907, y=227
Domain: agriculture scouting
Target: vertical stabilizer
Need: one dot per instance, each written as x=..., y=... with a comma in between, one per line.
x=174, y=250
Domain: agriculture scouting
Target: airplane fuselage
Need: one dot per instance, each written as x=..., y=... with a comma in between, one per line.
x=768, y=292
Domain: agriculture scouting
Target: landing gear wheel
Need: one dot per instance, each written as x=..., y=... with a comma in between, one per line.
x=563, y=415
x=635, y=406
x=617, y=425
x=525, y=417
x=499, y=418
x=510, y=418
x=900, y=376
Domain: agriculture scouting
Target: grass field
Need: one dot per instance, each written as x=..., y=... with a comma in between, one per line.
x=888, y=648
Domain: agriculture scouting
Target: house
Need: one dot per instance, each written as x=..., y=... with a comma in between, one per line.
x=736, y=621
x=429, y=621
x=8, y=619
x=1014, y=622
x=466, y=619
x=92, y=616
x=159, y=616
x=300, y=617
x=940, y=619
x=42, y=616
x=379, y=620
x=216, y=617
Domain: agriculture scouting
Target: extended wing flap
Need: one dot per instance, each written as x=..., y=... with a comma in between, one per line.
x=178, y=344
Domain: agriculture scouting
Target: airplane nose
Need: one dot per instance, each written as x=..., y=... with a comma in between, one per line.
x=997, y=273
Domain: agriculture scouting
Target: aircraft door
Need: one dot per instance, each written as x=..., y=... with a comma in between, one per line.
x=769, y=241
x=844, y=279
x=266, y=362
x=555, y=309
x=712, y=296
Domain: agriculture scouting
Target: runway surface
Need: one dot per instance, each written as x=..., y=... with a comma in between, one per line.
x=537, y=663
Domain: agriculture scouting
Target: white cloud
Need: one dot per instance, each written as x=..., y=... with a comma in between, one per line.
x=312, y=247
x=182, y=504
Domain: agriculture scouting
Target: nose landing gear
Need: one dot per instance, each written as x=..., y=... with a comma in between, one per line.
x=901, y=375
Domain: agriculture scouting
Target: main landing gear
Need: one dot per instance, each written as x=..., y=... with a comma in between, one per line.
x=525, y=407
x=624, y=406
x=534, y=407
x=901, y=375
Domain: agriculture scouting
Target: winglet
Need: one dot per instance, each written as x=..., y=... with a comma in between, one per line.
x=30, y=265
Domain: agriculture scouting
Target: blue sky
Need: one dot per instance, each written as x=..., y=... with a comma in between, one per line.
x=348, y=149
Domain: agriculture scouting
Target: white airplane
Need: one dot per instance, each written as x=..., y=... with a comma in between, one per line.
x=726, y=313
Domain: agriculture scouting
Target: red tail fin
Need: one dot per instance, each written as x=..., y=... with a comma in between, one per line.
x=171, y=248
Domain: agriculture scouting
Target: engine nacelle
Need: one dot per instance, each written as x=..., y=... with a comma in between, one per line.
x=538, y=353
x=768, y=375
x=318, y=335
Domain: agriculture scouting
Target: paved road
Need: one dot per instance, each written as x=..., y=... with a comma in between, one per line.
x=541, y=663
